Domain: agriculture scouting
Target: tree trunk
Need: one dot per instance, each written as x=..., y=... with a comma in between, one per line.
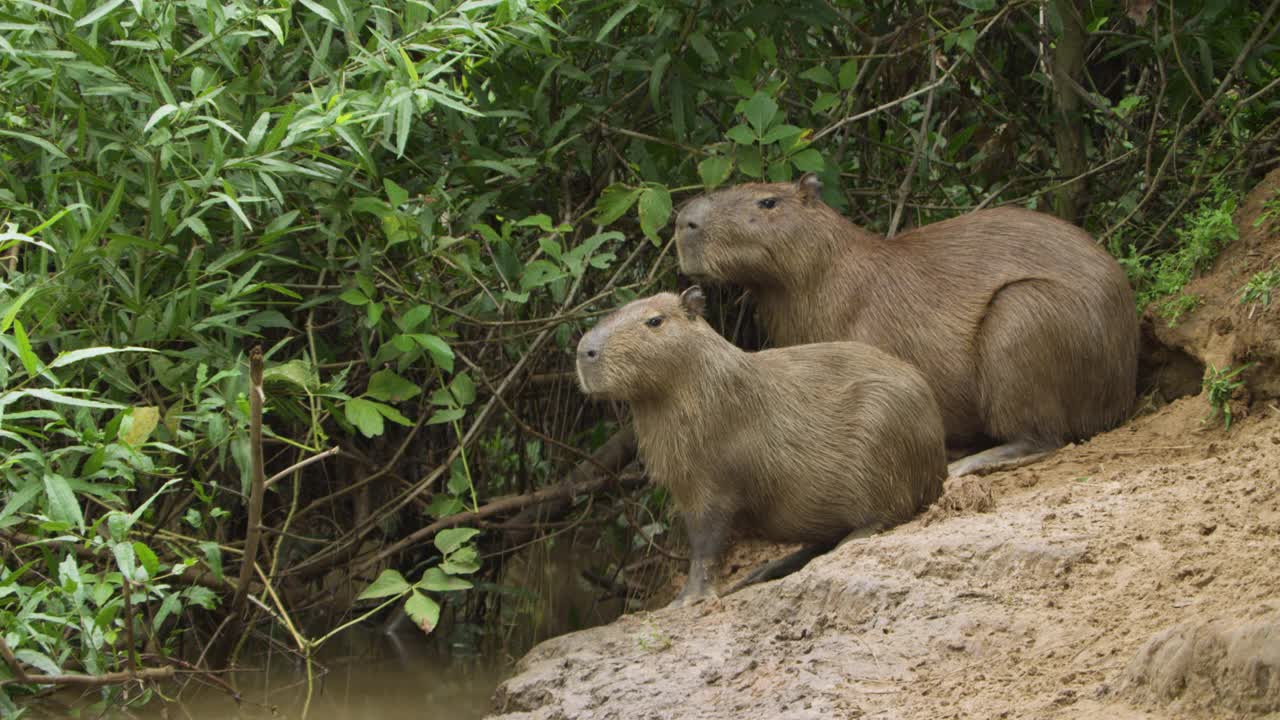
x=1068, y=65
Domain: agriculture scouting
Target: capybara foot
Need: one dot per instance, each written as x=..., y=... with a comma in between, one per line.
x=1000, y=457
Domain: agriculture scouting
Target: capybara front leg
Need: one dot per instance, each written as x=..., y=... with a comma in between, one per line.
x=1001, y=457
x=708, y=531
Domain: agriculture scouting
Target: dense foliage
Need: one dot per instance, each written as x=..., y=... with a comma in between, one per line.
x=413, y=207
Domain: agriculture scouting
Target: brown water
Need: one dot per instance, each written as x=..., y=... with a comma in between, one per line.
x=365, y=675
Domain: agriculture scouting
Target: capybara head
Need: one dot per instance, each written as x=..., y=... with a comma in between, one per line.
x=636, y=351
x=753, y=232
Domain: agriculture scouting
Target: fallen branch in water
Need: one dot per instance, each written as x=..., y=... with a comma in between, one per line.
x=585, y=479
x=20, y=675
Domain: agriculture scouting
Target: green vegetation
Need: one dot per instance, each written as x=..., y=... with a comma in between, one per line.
x=414, y=209
x=1219, y=386
x=1270, y=211
x=1160, y=278
x=1259, y=288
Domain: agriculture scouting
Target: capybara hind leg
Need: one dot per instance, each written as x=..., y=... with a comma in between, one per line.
x=786, y=565
x=1000, y=457
x=782, y=567
x=708, y=531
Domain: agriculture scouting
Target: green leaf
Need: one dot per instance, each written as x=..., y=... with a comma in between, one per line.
x=161, y=113
x=539, y=273
x=25, y=353
x=38, y=660
x=967, y=39
x=749, y=161
x=272, y=26
x=808, y=160
x=353, y=296
x=410, y=321
x=440, y=351
x=780, y=132
x=99, y=12
x=396, y=195
x=8, y=238
x=387, y=386
x=392, y=414
x=741, y=134
x=213, y=556
x=435, y=580
x=714, y=170
x=55, y=396
x=125, y=559
x=424, y=611
x=704, y=48
x=760, y=111
x=66, y=358
x=41, y=142
x=259, y=129
x=464, y=391
x=11, y=312
x=61, y=502
x=444, y=416
x=819, y=75
x=463, y=561
x=618, y=16
x=389, y=583
x=296, y=372
x=614, y=202
x=848, y=73
x=453, y=538
x=655, y=78
x=143, y=421
x=655, y=210
x=149, y=561
x=320, y=10
x=364, y=415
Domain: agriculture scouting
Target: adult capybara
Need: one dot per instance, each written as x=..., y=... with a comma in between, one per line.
x=807, y=444
x=1025, y=329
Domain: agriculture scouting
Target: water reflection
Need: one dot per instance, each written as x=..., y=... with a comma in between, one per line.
x=360, y=675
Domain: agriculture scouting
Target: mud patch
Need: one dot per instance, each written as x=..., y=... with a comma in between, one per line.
x=1223, y=663
x=964, y=495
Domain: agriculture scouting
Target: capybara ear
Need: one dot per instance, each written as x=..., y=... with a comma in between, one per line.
x=693, y=302
x=810, y=187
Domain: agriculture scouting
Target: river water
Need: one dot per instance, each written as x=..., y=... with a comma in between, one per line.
x=366, y=675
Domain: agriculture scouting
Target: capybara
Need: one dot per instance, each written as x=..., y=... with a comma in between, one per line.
x=807, y=444
x=1025, y=329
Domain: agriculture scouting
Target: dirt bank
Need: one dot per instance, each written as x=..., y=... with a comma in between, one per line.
x=1133, y=576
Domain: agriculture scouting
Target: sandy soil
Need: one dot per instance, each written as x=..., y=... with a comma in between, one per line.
x=1132, y=576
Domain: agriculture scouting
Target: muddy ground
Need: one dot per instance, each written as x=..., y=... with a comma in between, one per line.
x=1132, y=576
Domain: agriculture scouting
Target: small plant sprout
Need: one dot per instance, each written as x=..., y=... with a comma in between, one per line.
x=1258, y=290
x=1219, y=386
x=1270, y=210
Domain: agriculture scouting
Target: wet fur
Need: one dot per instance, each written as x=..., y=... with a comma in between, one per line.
x=1023, y=326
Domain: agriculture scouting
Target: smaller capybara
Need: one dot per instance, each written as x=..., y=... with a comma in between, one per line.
x=1024, y=328
x=810, y=444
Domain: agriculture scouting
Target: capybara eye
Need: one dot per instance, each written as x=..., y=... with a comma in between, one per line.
x=654, y=321
x=767, y=203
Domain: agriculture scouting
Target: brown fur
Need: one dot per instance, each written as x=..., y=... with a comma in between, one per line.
x=1025, y=329
x=800, y=444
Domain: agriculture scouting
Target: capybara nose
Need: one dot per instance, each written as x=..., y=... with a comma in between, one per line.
x=694, y=215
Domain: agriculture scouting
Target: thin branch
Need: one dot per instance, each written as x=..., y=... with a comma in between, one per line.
x=928, y=88
x=922, y=142
x=502, y=505
x=21, y=676
x=253, y=530
x=299, y=465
